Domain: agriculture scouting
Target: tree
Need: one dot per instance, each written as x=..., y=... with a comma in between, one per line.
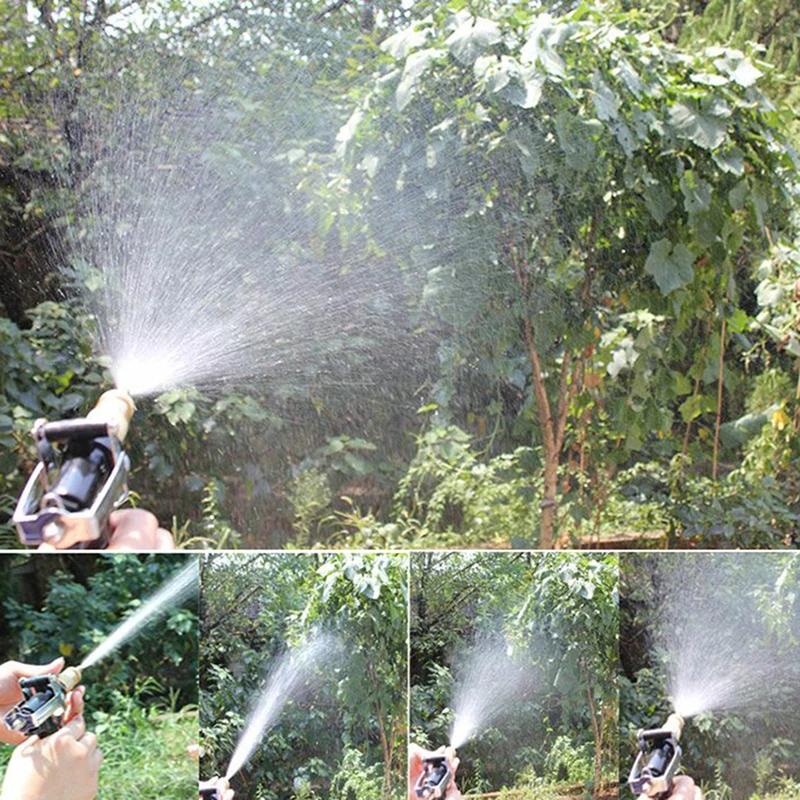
x=351, y=733
x=582, y=203
x=557, y=613
x=575, y=601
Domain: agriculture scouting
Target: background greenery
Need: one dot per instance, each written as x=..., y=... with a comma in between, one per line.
x=347, y=742
x=748, y=754
x=560, y=613
x=582, y=219
x=142, y=699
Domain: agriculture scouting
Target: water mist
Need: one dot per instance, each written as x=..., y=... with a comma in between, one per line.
x=489, y=683
x=178, y=588
x=295, y=674
x=721, y=650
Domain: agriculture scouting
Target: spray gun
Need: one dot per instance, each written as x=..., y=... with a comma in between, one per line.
x=211, y=790
x=434, y=779
x=44, y=703
x=658, y=759
x=80, y=479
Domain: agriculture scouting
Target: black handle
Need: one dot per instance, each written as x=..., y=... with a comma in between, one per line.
x=63, y=430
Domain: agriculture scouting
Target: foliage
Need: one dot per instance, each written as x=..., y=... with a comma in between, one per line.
x=584, y=212
x=75, y=617
x=351, y=734
x=141, y=700
x=739, y=754
x=543, y=608
x=601, y=193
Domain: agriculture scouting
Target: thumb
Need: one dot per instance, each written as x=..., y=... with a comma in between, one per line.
x=31, y=670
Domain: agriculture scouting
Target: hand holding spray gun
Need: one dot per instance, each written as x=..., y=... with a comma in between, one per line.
x=80, y=479
x=659, y=758
x=432, y=774
x=63, y=765
x=44, y=703
x=215, y=789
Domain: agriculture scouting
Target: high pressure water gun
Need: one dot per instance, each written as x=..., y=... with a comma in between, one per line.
x=44, y=703
x=80, y=479
x=658, y=760
x=211, y=790
x=434, y=779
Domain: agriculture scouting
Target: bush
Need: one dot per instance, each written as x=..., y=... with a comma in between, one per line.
x=74, y=618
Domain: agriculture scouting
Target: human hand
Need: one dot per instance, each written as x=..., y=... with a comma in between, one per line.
x=684, y=788
x=224, y=792
x=11, y=694
x=133, y=529
x=63, y=766
x=416, y=755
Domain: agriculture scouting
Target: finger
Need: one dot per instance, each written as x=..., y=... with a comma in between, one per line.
x=96, y=760
x=454, y=764
x=164, y=540
x=31, y=742
x=75, y=728
x=133, y=529
x=415, y=756
x=32, y=670
x=74, y=704
x=47, y=548
x=89, y=741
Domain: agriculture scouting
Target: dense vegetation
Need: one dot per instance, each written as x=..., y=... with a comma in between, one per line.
x=575, y=223
x=558, y=613
x=347, y=740
x=141, y=701
x=734, y=754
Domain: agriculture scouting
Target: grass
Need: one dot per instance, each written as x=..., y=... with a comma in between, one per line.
x=144, y=752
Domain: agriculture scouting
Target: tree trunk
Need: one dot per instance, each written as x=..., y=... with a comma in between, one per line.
x=552, y=424
x=386, y=745
x=597, y=735
x=549, y=504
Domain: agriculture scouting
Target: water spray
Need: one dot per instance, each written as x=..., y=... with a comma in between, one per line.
x=435, y=777
x=44, y=697
x=80, y=479
x=293, y=674
x=658, y=760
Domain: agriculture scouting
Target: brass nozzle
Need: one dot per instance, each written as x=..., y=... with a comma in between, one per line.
x=116, y=407
x=70, y=678
x=675, y=724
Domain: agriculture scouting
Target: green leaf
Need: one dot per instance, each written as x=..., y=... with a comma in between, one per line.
x=630, y=77
x=544, y=35
x=696, y=193
x=769, y=293
x=401, y=44
x=416, y=66
x=708, y=79
x=471, y=38
x=731, y=161
x=704, y=129
x=659, y=201
x=606, y=103
x=670, y=267
x=746, y=74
